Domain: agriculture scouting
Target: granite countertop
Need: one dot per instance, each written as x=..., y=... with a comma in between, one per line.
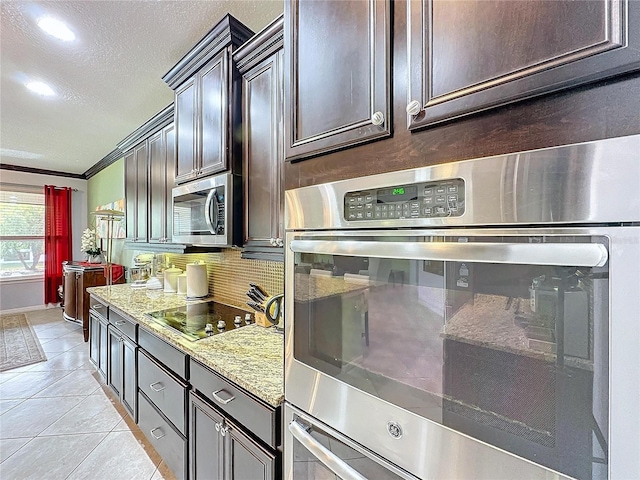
x=252, y=357
x=487, y=323
x=312, y=287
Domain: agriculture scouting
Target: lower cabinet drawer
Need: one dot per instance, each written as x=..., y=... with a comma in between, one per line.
x=125, y=324
x=256, y=416
x=171, y=446
x=166, y=354
x=163, y=389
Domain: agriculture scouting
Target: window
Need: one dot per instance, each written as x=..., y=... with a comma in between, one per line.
x=21, y=234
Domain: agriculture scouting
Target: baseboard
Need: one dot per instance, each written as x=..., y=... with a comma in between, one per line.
x=28, y=309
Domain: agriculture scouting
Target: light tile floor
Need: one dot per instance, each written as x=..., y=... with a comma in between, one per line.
x=58, y=420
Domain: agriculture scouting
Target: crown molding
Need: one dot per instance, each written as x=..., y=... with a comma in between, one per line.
x=261, y=46
x=228, y=32
x=41, y=171
x=159, y=121
x=112, y=157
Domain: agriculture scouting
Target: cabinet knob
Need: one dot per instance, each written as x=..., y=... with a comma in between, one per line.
x=414, y=107
x=272, y=241
x=377, y=118
x=224, y=429
x=217, y=427
x=279, y=242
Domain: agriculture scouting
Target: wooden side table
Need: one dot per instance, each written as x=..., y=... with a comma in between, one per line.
x=78, y=276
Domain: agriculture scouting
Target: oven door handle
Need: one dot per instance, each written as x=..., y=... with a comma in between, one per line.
x=328, y=458
x=556, y=254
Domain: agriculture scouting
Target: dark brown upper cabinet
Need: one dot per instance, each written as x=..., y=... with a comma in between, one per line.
x=135, y=192
x=149, y=166
x=161, y=181
x=260, y=62
x=207, y=103
x=337, y=74
x=466, y=56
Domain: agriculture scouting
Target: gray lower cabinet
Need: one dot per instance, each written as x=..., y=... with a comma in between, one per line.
x=98, y=342
x=247, y=431
x=165, y=390
x=220, y=449
x=169, y=443
x=162, y=394
x=121, y=360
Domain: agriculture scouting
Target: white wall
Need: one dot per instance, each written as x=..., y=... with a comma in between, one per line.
x=30, y=293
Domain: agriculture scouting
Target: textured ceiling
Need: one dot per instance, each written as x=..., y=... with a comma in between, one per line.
x=107, y=82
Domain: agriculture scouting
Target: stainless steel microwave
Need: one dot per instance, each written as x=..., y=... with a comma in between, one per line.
x=208, y=212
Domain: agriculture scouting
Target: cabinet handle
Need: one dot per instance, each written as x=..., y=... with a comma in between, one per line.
x=414, y=107
x=279, y=242
x=154, y=435
x=223, y=430
x=157, y=389
x=217, y=427
x=97, y=307
x=272, y=241
x=220, y=399
x=377, y=118
x=119, y=324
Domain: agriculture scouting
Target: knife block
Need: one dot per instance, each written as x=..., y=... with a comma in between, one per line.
x=261, y=319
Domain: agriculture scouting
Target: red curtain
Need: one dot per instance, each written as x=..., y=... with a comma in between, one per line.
x=57, y=238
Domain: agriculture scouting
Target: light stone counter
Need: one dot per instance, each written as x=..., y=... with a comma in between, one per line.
x=310, y=287
x=252, y=357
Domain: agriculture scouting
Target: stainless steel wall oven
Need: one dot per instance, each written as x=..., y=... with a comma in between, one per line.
x=471, y=320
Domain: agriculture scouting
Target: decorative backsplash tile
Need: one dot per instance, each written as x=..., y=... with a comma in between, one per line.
x=229, y=275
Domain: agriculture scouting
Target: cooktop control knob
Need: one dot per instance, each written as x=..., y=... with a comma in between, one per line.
x=237, y=321
x=247, y=318
x=221, y=325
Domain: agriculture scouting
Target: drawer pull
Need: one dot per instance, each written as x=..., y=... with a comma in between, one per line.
x=152, y=387
x=220, y=399
x=157, y=437
x=119, y=324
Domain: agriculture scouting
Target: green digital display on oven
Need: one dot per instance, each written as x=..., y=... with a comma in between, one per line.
x=398, y=191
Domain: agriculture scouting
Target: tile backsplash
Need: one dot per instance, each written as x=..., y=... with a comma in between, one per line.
x=229, y=275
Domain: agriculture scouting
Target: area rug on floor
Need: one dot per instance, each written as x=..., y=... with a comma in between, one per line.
x=19, y=345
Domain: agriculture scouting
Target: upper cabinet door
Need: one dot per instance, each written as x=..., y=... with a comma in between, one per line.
x=169, y=136
x=214, y=108
x=142, y=179
x=337, y=71
x=157, y=189
x=468, y=56
x=185, y=123
x=130, y=187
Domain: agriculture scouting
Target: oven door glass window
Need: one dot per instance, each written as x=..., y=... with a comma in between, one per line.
x=510, y=351
x=189, y=214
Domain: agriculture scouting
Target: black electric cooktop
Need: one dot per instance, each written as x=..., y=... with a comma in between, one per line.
x=201, y=320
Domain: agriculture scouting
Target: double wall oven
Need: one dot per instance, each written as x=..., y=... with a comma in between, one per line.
x=471, y=320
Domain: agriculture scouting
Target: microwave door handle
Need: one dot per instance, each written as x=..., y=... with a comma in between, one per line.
x=554, y=254
x=207, y=210
x=328, y=458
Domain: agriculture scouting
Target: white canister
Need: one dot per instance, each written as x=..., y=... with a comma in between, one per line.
x=171, y=279
x=197, y=281
x=182, y=284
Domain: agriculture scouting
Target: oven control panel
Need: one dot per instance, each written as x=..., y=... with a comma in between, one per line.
x=437, y=199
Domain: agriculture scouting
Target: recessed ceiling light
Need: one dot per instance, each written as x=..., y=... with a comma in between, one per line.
x=40, y=88
x=56, y=28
